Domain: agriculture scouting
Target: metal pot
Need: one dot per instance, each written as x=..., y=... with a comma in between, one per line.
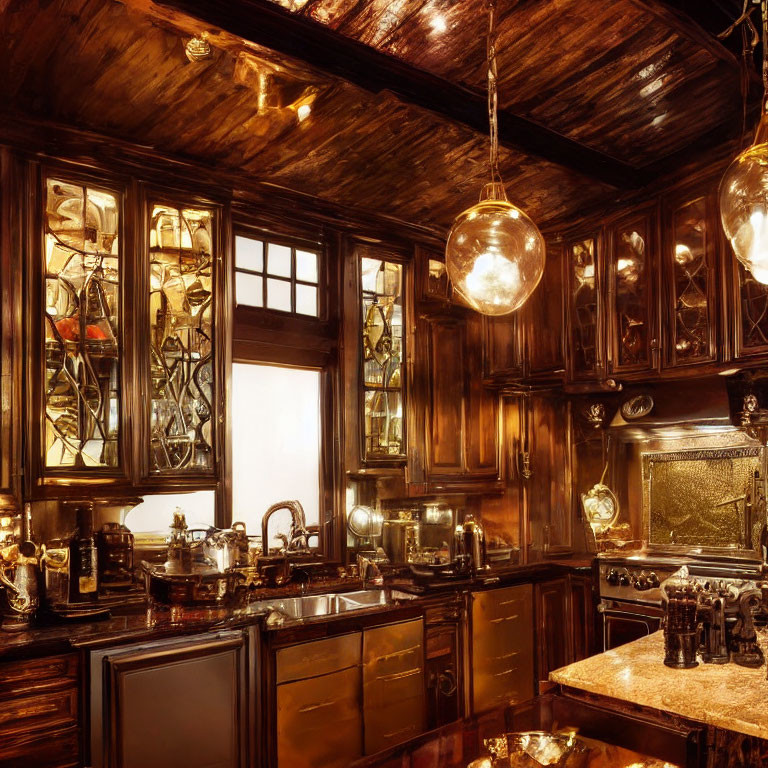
x=399, y=538
x=202, y=587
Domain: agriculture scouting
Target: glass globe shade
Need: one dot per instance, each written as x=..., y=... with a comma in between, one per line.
x=744, y=207
x=494, y=254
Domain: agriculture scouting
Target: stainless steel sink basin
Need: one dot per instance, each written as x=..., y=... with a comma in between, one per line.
x=323, y=605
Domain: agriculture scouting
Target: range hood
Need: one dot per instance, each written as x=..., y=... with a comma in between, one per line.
x=654, y=409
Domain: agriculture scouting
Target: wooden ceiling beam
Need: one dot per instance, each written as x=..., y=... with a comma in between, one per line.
x=267, y=24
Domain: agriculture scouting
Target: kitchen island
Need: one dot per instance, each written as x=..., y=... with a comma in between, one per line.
x=726, y=702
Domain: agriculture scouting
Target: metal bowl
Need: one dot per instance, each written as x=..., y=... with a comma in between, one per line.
x=538, y=749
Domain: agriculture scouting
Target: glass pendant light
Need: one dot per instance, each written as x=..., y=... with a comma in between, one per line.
x=744, y=190
x=495, y=253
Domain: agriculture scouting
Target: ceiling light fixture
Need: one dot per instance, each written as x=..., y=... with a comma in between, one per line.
x=495, y=253
x=744, y=187
x=198, y=48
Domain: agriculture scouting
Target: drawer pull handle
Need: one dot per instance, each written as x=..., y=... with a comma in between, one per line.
x=505, y=618
x=505, y=672
x=400, y=675
x=313, y=707
x=401, y=652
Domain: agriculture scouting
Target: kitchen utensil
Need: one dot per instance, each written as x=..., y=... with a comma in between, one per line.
x=20, y=598
x=470, y=541
x=399, y=537
x=201, y=586
x=115, y=547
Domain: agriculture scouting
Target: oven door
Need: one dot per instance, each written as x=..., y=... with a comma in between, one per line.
x=624, y=622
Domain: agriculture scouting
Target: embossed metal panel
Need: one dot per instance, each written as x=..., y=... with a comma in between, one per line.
x=393, y=684
x=502, y=647
x=697, y=497
x=320, y=721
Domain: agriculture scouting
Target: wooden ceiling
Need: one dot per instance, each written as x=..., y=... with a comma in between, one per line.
x=621, y=78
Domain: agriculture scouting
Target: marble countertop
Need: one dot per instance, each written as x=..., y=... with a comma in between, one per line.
x=726, y=696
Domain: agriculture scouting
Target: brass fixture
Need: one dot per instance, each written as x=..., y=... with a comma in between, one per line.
x=495, y=253
x=198, y=48
x=743, y=189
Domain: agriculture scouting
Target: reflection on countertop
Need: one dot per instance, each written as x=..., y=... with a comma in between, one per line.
x=726, y=696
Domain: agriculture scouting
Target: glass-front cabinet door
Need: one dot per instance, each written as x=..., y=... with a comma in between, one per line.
x=81, y=315
x=584, y=309
x=690, y=277
x=182, y=339
x=631, y=296
x=382, y=355
x=125, y=360
x=750, y=301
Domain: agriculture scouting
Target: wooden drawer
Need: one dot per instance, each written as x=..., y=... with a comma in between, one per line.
x=319, y=721
x=55, y=748
x=318, y=657
x=393, y=649
x=37, y=674
x=41, y=710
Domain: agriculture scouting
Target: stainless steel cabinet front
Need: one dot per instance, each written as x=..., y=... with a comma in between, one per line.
x=502, y=647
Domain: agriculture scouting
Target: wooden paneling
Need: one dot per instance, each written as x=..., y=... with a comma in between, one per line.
x=482, y=407
x=447, y=376
x=630, y=78
x=552, y=626
x=542, y=318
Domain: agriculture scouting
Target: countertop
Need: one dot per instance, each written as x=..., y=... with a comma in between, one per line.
x=726, y=696
x=141, y=623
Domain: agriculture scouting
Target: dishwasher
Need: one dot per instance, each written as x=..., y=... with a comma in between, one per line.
x=179, y=703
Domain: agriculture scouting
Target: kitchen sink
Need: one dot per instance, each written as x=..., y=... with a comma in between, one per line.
x=309, y=606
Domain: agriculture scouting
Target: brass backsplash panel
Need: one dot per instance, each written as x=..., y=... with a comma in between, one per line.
x=686, y=495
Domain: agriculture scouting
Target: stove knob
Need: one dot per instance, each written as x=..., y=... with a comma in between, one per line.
x=624, y=579
x=641, y=582
x=612, y=577
x=653, y=580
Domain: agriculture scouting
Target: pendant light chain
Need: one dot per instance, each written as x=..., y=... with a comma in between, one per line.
x=492, y=93
x=764, y=14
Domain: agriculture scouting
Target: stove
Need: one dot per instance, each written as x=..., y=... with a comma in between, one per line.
x=630, y=588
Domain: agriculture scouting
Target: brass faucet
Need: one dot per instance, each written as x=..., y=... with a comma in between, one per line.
x=298, y=536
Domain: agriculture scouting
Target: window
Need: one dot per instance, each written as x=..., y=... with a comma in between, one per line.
x=276, y=427
x=274, y=276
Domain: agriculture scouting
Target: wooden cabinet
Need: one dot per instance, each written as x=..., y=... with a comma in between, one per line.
x=340, y=697
x=565, y=619
x=552, y=626
x=40, y=715
x=178, y=702
x=319, y=720
x=458, y=412
x=633, y=343
x=393, y=684
x=126, y=304
x=502, y=647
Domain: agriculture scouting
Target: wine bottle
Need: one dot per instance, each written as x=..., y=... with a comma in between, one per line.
x=83, y=559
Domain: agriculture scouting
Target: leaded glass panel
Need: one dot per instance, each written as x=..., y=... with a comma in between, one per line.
x=382, y=353
x=690, y=282
x=82, y=322
x=583, y=277
x=181, y=310
x=631, y=295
